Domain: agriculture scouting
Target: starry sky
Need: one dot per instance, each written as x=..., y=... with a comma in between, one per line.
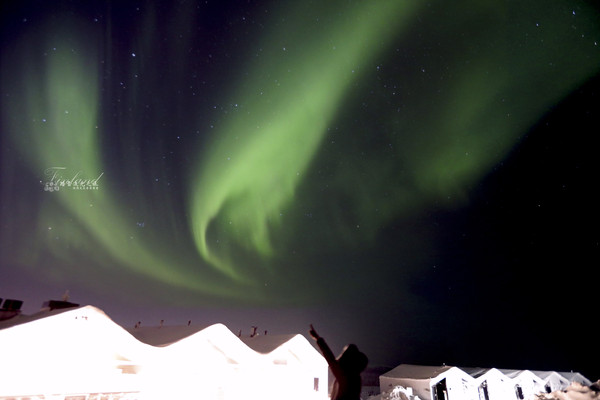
x=415, y=177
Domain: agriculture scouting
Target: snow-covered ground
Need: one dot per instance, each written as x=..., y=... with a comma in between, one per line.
x=397, y=393
x=575, y=391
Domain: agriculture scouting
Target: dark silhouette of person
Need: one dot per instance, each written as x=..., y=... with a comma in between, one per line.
x=346, y=368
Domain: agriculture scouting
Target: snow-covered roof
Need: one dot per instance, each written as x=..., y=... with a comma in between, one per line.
x=411, y=371
x=576, y=377
x=163, y=335
x=522, y=374
x=476, y=372
x=548, y=376
x=23, y=319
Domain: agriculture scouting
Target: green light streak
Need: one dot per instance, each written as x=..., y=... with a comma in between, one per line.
x=468, y=88
x=259, y=155
x=513, y=76
x=55, y=126
x=456, y=112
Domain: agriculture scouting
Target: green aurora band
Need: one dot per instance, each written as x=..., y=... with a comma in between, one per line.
x=435, y=124
x=248, y=177
x=61, y=130
x=249, y=174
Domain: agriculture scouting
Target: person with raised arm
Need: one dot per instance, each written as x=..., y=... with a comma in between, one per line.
x=346, y=368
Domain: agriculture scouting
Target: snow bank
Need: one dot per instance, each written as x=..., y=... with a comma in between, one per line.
x=576, y=391
x=397, y=393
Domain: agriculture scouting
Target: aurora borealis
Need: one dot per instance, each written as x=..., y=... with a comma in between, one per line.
x=249, y=175
x=289, y=153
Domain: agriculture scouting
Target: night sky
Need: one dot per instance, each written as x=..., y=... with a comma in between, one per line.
x=416, y=177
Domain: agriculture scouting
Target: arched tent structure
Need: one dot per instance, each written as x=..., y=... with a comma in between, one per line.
x=427, y=382
x=526, y=384
x=576, y=377
x=553, y=381
x=207, y=364
x=291, y=362
x=491, y=383
x=72, y=351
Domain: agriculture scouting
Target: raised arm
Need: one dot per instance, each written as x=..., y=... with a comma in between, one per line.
x=327, y=353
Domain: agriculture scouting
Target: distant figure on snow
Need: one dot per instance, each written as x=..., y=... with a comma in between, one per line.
x=346, y=368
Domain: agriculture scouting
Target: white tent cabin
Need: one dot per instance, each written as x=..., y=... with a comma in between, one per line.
x=576, y=377
x=525, y=383
x=553, y=381
x=492, y=384
x=68, y=351
x=293, y=363
x=431, y=382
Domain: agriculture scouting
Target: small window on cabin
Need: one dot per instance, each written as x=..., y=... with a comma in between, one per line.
x=316, y=384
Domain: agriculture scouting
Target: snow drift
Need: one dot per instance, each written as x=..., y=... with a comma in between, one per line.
x=576, y=391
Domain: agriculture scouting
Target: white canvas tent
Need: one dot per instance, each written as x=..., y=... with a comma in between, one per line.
x=427, y=382
x=526, y=383
x=82, y=351
x=69, y=351
x=576, y=377
x=203, y=365
x=553, y=381
x=292, y=362
x=491, y=383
